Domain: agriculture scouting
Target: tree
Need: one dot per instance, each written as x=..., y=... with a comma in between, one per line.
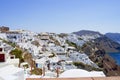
x=28, y=58
x=18, y=54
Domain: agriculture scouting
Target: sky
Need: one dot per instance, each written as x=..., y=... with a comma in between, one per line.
x=61, y=16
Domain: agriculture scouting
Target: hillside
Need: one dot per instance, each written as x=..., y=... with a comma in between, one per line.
x=86, y=32
x=97, y=47
x=114, y=36
x=86, y=51
x=99, y=40
x=107, y=44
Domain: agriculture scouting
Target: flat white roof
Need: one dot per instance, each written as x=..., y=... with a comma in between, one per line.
x=10, y=69
x=81, y=73
x=10, y=72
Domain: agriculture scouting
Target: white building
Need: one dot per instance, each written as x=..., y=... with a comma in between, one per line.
x=3, y=36
x=14, y=36
x=10, y=72
x=11, y=36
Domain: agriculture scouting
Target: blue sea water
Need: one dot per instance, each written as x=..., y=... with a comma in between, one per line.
x=115, y=56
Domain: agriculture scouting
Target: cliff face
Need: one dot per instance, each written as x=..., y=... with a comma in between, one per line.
x=103, y=60
x=97, y=48
x=114, y=36
x=107, y=44
x=100, y=41
x=110, y=67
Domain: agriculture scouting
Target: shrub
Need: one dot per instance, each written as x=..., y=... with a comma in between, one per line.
x=86, y=66
x=36, y=71
x=26, y=66
x=18, y=54
x=71, y=44
x=80, y=39
x=79, y=64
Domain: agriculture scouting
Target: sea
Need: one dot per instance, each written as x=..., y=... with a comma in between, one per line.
x=115, y=56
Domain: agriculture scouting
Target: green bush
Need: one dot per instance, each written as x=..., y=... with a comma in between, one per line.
x=37, y=71
x=79, y=64
x=86, y=66
x=71, y=44
x=18, y=54
x=80, y=39
x=26, y=66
